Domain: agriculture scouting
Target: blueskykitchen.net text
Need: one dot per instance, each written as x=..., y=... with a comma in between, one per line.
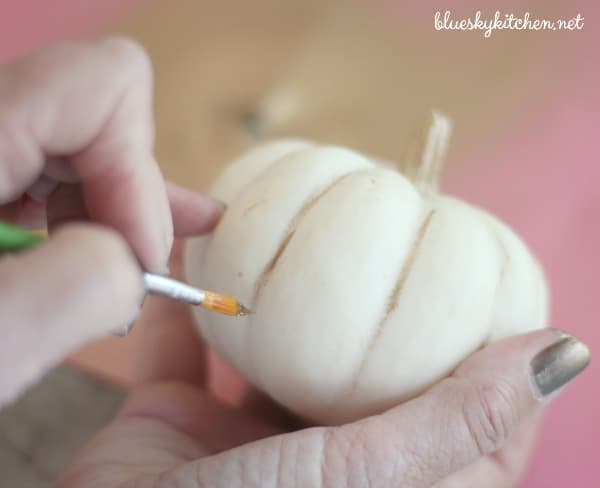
x=445, y=21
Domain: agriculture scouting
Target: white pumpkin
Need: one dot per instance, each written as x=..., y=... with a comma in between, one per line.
x=364, y=290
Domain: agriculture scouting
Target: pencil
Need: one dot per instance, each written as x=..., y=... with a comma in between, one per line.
x=15, y=239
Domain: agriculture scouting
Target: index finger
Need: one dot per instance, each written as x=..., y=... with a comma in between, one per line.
x=90, y=102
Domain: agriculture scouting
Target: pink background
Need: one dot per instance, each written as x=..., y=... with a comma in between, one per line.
x=549, y=163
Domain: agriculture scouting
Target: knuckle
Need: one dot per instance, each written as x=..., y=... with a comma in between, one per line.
x=336, y=465
x=348, y=456
x=22, y=161
x=489, y=414
x=129, y=53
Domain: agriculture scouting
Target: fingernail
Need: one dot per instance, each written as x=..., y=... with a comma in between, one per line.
x=221, y=204
x=124, y=331
x=559, y=363
x=561, y=334
x=42, y=189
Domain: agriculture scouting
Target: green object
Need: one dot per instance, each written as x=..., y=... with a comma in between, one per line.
x=13, y=238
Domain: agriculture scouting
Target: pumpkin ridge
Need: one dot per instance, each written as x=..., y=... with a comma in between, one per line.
x=263, y=278
x=281, y=159
x=503, y=268
x=392, y=300
x=272, y=161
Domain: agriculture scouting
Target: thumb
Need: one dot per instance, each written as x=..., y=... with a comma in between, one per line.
x=475, y=411
x=464, y=417
x=81, y=284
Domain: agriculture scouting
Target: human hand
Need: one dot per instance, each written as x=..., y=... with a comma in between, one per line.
x=76, y=137
x=475, y=428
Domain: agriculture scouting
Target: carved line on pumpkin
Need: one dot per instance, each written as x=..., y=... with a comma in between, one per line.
x=393, y=300
x=263, y=278
x=491, y=226
x=214, y=338
x=249, y=209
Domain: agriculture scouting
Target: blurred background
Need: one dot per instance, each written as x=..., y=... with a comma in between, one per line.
x=229, y=73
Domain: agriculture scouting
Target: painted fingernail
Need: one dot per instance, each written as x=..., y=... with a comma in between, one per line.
x=559, y=363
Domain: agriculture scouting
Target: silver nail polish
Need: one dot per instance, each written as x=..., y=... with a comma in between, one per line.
x=558, y=364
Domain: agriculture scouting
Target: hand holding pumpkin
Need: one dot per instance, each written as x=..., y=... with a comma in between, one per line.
x=84, y=164
x=473, y=428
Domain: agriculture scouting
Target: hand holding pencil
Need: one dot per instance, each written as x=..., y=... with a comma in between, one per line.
x=76, y=149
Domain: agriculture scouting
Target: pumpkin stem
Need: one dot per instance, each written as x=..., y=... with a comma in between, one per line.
x=426, y=154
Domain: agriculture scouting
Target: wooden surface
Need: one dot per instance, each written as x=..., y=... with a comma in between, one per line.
x=349, y=72
x=41, y=433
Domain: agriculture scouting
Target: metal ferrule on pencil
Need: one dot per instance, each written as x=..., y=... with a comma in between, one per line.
x=170, y=288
